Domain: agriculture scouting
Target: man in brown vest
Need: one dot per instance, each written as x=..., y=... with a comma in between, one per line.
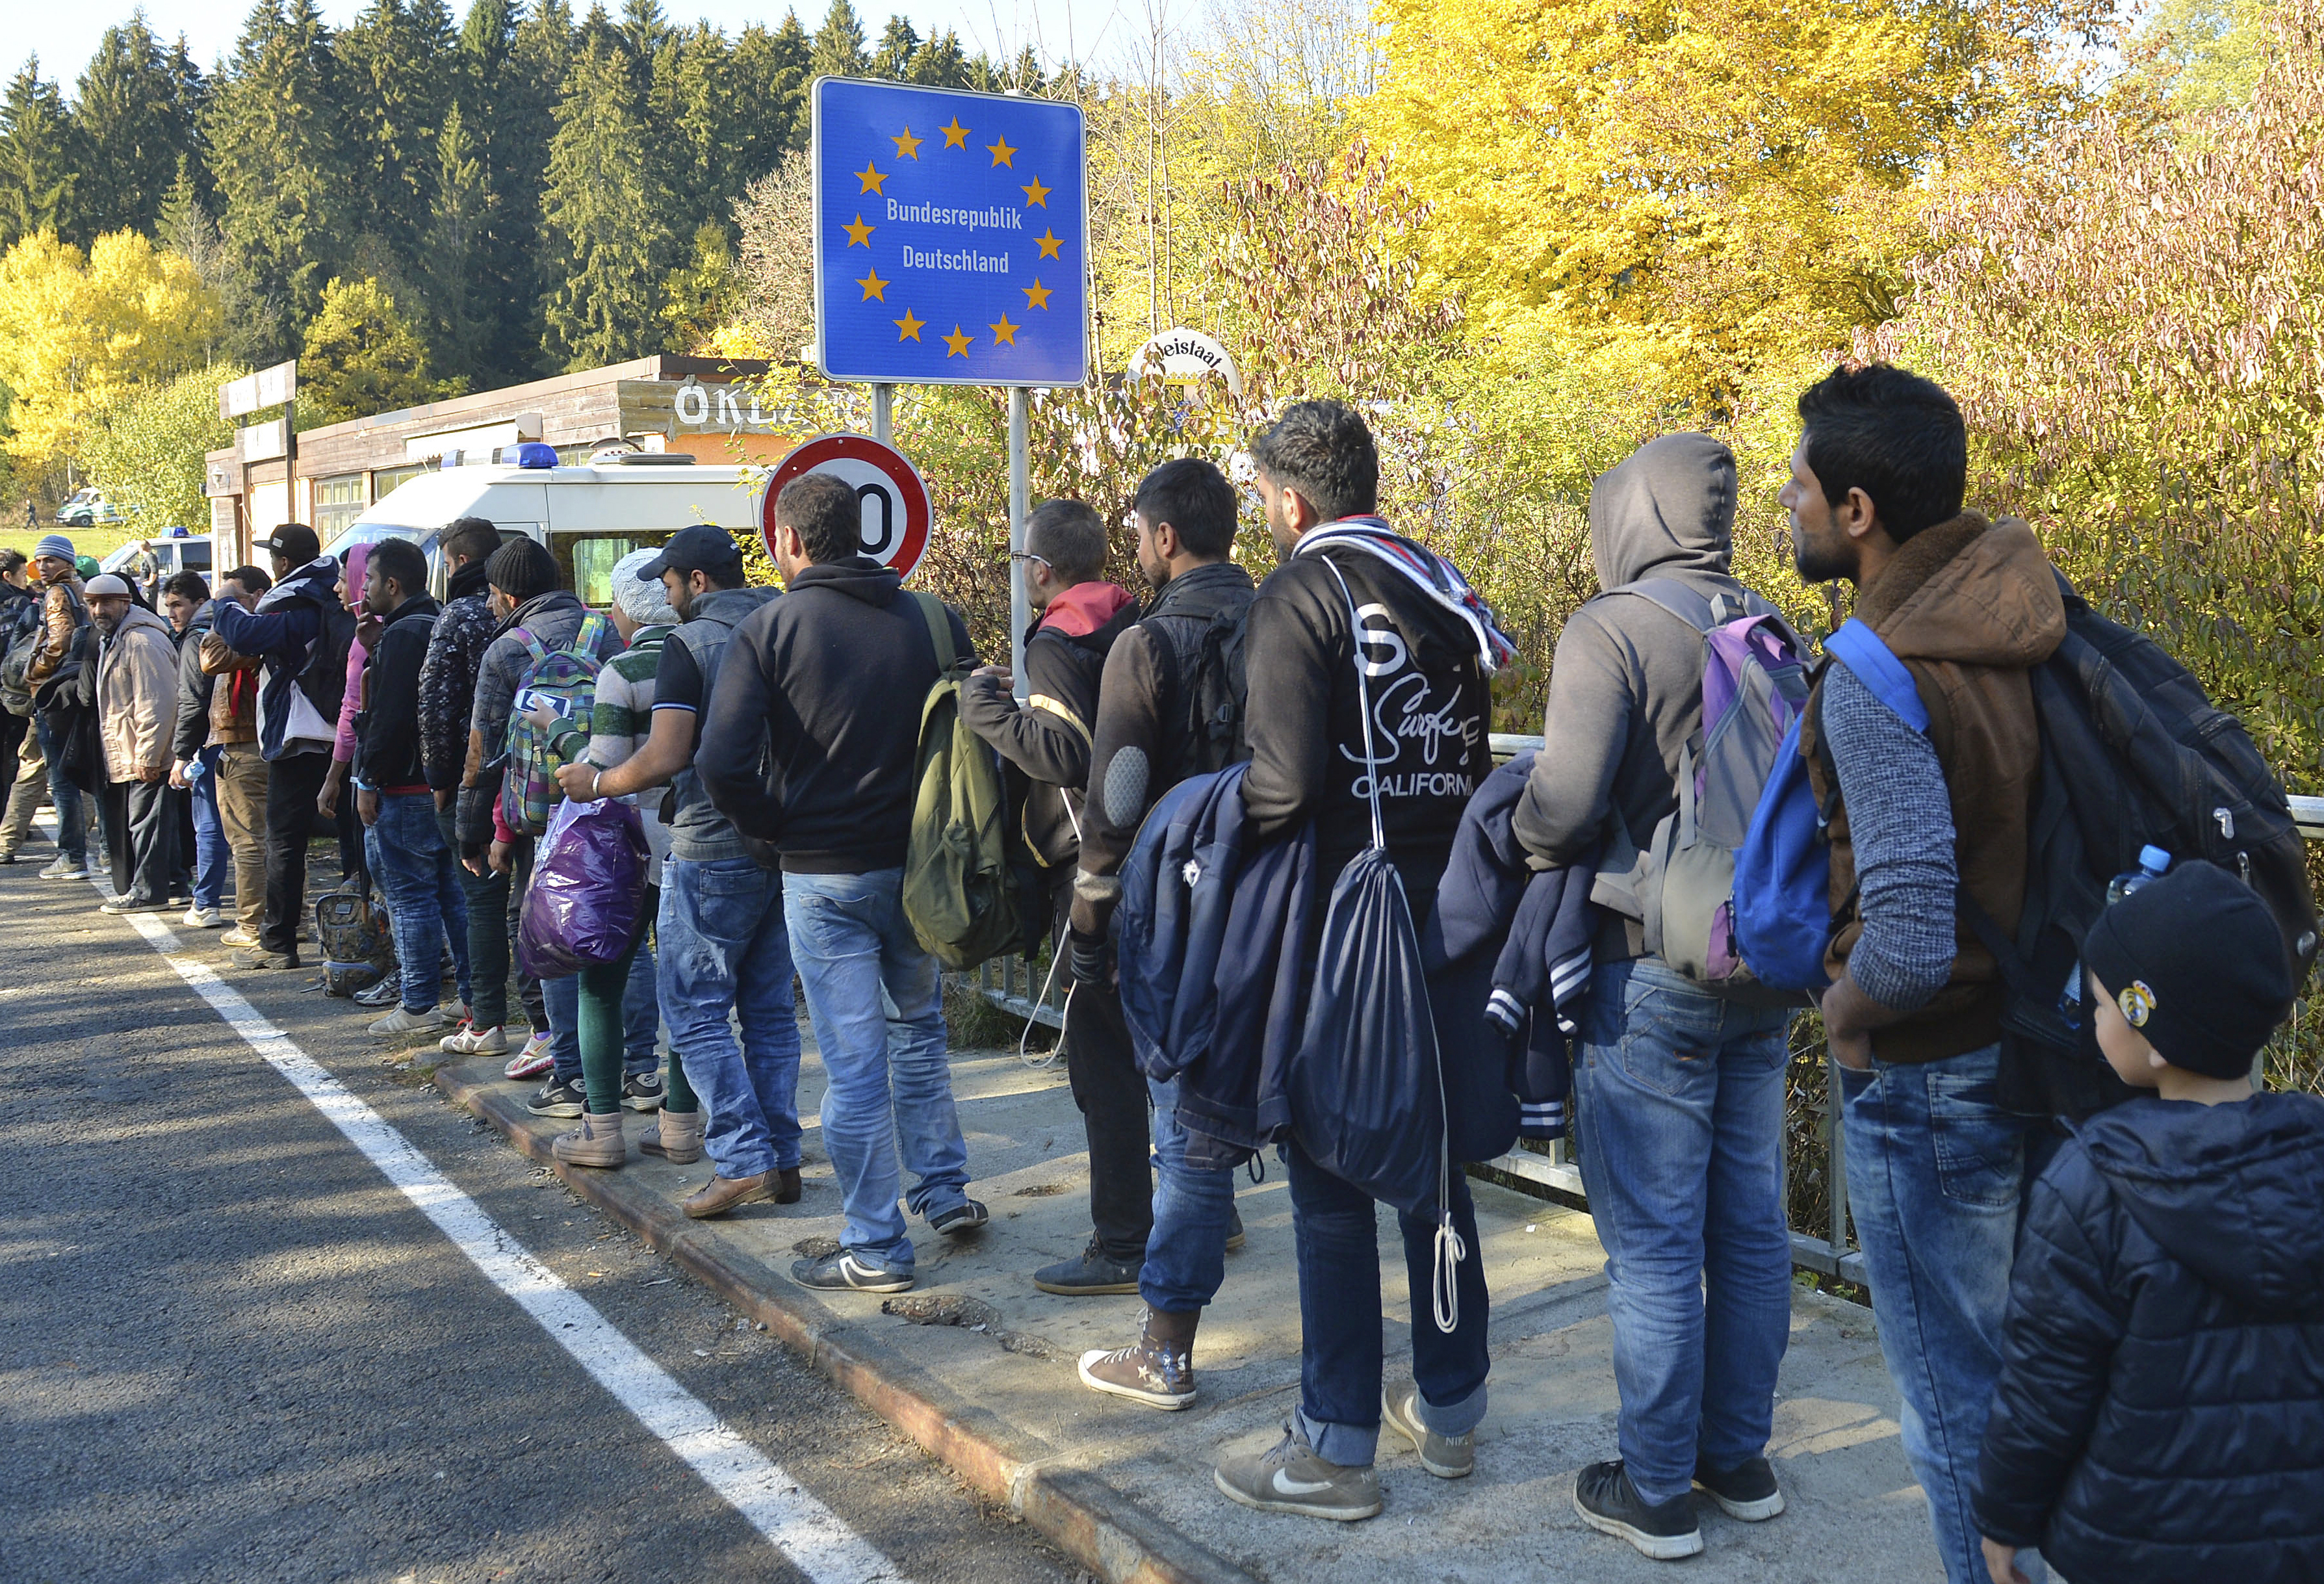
x=1924, y=814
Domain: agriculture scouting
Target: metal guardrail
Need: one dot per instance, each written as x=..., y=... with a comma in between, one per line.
x=1012, y=984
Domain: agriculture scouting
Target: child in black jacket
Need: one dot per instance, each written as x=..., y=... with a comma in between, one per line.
x=2160, y=1414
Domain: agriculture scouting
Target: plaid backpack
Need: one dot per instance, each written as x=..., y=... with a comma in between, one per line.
x=565, y=679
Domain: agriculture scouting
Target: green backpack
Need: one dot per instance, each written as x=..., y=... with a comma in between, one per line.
x=959, y=892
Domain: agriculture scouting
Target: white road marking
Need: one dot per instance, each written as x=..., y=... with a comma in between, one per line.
x=802, y=1528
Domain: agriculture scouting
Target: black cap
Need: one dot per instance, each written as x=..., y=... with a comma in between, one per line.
x=294, y=542
x=2197, y=963
x=703, y=547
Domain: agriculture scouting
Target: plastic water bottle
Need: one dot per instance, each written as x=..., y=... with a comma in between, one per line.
x=2151, y=864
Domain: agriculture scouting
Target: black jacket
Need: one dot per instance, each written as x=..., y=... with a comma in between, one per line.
x=2160, y=1414
x=192, y=732
x=1430, y=708
x=815, y=721
x=387, y=738
x=1047, y=742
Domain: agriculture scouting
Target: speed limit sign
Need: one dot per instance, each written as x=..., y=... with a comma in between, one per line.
x=896, y=512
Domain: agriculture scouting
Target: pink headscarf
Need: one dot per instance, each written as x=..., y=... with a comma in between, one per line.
x=358, y=558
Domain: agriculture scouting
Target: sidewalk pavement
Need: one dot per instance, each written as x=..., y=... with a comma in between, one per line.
x=978, y=1368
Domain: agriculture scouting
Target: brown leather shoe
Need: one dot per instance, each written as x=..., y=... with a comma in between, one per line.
x=787, y=1186
x=722, y=1194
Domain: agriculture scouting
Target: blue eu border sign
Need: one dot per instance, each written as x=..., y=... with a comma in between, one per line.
x=951, y=237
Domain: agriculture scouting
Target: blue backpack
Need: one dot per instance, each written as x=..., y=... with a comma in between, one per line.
x=1783, y=870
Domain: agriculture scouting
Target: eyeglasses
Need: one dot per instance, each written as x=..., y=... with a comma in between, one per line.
x=1028, y=556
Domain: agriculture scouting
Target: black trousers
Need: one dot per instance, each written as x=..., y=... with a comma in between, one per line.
x=1112, y=1094
x=12, y=728
x=140, y=834
x=292, y=783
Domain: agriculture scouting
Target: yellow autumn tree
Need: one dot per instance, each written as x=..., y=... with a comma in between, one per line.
x=78, y=331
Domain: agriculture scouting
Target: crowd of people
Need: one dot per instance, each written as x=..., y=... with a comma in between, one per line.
x=2108, y=1338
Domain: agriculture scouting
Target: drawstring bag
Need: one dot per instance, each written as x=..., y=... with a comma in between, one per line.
x=1367, y=1089
x=587, y=901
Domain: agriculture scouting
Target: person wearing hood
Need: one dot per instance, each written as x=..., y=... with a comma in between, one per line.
x=1936, y=1168
x=819, y=687
x=1678, y=1090
x=136, y=712
x=2160, y=1414
x=1046, y=744
x=299, y=633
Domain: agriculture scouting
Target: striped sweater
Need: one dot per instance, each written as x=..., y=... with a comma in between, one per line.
x=620, y=718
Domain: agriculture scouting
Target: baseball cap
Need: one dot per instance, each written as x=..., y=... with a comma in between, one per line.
x=703, y=547
x=294, y=542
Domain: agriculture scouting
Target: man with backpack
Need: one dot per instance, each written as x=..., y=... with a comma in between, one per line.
x=59, y=644
x=542, y=626
x=1167, y=682
x=1678, y=1085
x=1929, y=820
x=393, y=797
x=723, y=954
x=1046, y=742
x=300, y=633
x=1368, y=717
x=816, y=687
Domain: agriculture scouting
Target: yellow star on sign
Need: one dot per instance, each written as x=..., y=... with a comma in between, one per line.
x=908, y=147
x=859, y=235
x=1048, y=241
x=1037, y=193
x=955, y=135
x=908, y=328
x=1001, y=152
x=869, y=177
x=1004, y=333
x=1035, y=295
x=873, y=286
x=956, y=343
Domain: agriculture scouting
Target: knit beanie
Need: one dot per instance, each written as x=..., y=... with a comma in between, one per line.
x=643, y=600
x=87, y=566
x=522, y=570
x=54, y=544
x=2196, y=963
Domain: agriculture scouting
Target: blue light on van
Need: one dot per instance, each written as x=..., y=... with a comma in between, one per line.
x=534, y=453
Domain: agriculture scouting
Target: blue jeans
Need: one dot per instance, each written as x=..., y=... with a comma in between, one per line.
x=213, y=859
x=722, y=949
x=1336, y=1227
x=1935, y=1176
x=877, y=1008
x=64, y=792
x=424, y=895
x=1186, y=1251
x=1679, y=1109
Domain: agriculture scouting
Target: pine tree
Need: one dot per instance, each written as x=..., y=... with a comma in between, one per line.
x=458, y=235
x=838, y=44
x=286, y=202
x=770, y=73
x=644, y=32
x=136, y=119
x=512, y=74
x=40, y=161
x=691, y=105
x=941, y=62
x=606, y=241
x=393, y=61
x=897, y=45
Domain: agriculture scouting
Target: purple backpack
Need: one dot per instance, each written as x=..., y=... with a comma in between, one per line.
x=1754, y=686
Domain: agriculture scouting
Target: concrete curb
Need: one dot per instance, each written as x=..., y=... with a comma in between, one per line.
x=1074, y=1507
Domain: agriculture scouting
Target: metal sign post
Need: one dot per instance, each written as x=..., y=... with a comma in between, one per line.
x=951, y=248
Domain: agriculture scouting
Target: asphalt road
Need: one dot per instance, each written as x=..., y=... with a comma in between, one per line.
x=230, y=1350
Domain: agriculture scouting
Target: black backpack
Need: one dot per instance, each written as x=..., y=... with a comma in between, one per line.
x=2133, y=753
x=1207, y=700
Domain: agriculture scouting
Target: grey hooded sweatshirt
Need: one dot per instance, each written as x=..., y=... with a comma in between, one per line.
x=1626, y=689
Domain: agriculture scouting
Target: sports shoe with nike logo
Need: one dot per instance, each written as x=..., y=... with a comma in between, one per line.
x=1289, y=1478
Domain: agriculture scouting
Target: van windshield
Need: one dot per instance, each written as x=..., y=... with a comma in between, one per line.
x=587, y=560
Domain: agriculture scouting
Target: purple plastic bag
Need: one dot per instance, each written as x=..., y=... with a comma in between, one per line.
x=587, y=901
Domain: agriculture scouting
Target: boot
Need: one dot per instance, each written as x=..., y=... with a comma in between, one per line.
x=596, y=1142
x=1158, y=1370
x=677, y=1138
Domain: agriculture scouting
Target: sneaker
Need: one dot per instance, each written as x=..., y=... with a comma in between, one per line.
x=967, y=1216
x=260, y=957
x=642, y=1092
x=1157, y=1370
x=1448, y=1457
x=532, y=1061
x=203, y=918
x=1234, y=1228
x=849, y=1272
x=1609, y=1502
x=387, y=992
x=1289, y=1478
x=128, y=904
x=472, y=1041
x=403, y=1020
x=237, y=936
x=1091, y=1274
x=62, y=868
x=1748, y=1491
x=556, y=1097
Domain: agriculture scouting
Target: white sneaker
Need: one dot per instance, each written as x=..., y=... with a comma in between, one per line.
x=66, y=869
x=532, y=1060
x=473, y=1042
x=402, y=1020
x=204, y=918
